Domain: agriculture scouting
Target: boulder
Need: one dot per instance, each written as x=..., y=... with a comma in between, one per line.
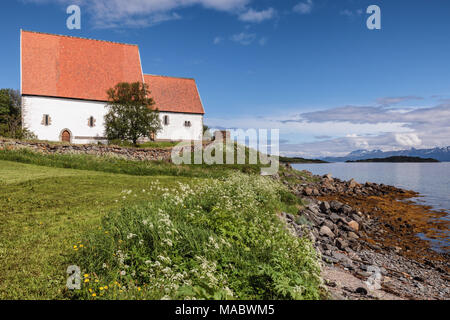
x=336, y=205
x=354, y=225
x=352, y=235
x=324, y=206
x=325, y=231
x=341, y=243
x=353, y=184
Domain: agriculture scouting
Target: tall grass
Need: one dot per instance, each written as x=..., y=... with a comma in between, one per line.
x=219, y=240
x=122, y=166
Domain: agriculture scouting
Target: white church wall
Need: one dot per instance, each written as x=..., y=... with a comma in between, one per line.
x=176, y=129
x=73, y=115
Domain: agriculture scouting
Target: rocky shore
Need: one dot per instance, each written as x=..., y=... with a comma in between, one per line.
x=367, y=238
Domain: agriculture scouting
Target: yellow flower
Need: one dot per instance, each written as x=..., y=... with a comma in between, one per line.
x=86, y=275
x=94, y=294
x=90, y=290
x=139, y=288
x=106, y=287
x=101, y=288
x=86, y=280
x=81, y=246
x=96, y=280
x=74, y=247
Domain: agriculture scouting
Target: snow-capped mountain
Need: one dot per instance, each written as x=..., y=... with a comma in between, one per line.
x=441, y=154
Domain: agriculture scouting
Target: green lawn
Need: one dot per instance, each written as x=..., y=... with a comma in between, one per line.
x=44, y=211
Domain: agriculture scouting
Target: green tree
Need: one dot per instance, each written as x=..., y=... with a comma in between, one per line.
x=9, y=104
x=131, y=114
x=11, y=115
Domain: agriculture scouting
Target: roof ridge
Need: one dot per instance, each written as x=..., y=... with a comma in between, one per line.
x=83, y=38
x=158, y=75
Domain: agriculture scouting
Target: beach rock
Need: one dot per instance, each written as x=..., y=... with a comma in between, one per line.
x=354, y=225
x=346, y=209
x=325, y=206
x=352, y=235
x=325, y=231
x=341, y=243
x=353, y=184
x=361, y=291
x=336, y=205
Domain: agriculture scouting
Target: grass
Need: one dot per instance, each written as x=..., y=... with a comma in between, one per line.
x=43, y=211
x=51, y=203
x=216, y=240
x=122, y=166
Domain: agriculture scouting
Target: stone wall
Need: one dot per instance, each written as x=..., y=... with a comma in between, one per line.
x=152, y=154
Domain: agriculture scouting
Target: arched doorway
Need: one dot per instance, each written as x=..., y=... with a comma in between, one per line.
x=65, y=136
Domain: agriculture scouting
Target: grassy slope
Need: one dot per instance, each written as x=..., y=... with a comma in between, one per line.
x=44, y=211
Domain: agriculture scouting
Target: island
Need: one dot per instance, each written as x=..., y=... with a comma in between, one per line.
x=299, y=160
x=396, y=159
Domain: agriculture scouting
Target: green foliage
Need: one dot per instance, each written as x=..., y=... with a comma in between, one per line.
x=220, y=239
x=10, y=115
x=9, y=103
x=44, y=211
x=131, y=115
x=149, y=144
x=119, y=165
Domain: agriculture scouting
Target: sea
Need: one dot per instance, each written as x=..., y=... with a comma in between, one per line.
x=431, y=180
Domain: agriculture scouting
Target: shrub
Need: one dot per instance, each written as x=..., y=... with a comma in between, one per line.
x=221, y=240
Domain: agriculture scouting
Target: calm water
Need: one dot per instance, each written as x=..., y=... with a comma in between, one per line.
x=431, y=180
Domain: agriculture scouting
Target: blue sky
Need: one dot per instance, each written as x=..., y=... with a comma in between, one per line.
x=308, y=67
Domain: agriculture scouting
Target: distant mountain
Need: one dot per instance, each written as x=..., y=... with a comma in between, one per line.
x=397, y=159
x=441, y=154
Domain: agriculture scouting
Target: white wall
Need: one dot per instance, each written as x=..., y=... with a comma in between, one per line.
x=74, y=114
x=176, y=130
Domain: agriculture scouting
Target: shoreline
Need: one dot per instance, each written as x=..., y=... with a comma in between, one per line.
x=358, y=227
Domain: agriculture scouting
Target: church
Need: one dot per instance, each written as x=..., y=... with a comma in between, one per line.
x=64, y=81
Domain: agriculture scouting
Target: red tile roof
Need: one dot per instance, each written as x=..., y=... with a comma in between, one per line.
x=69, y=67
x=174, y=94
x=78, y=68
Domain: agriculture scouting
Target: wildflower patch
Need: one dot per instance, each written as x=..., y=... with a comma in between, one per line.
x=218, y=240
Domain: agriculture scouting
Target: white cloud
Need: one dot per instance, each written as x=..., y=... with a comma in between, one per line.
x=350, y=13
x=408, y=139
x=338, y=131
x=304, y=7
x=257, y=16
x=114, y=13
x=243, y=38
x=396, y=100
x=217, y=40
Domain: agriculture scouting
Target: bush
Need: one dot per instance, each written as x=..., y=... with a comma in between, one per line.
x=222, y=240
